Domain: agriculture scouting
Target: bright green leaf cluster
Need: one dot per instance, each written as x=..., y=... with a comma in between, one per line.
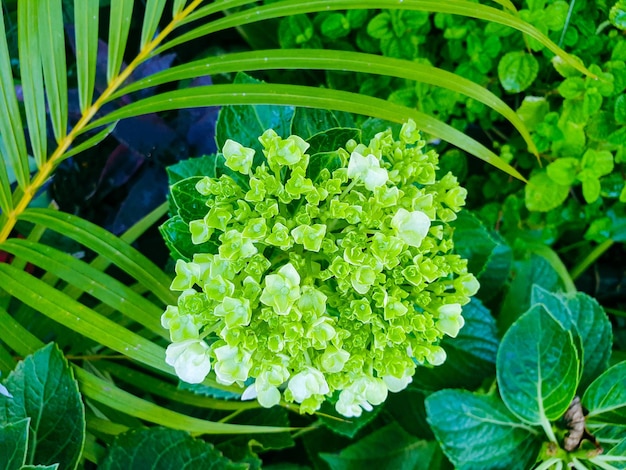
x=332, y=283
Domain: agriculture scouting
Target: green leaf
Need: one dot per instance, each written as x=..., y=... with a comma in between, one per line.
x=44, y=390
x=606, y=396
x=154, y=11
x=564, y=69
x=275, y=416
x=597, y=162
x=591, y=189
x=473, y=241
x=532, y=111
x=408, y=409
x=200, y=166
x=40, y=467
x=330, y=140
x=52, y=46
x=478, y=432
x=119, y=25
x=244, y=124
x=517, y=71
x=32, y=80
x=471, y=356
x=188, y=202
x=342, y=426
x=163, y=448
x=543, y=194
x=620, y=109
x=13, y=443
x=537, y=368
x=86, y=14
x=572, y=88
x=387, y=448
x=310, y=121
x=563, y=171
x=335, y=26
x=175, y=232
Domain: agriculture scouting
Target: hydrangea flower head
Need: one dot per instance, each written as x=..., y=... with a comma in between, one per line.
x=325, y=284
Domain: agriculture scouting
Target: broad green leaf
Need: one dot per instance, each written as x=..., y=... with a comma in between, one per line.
x=620, y=110
x=572, y=88
x=606, y=396
x=119, y=25
x=473, y=241
x=294, y=95
x=106, y=244
x=330, y=140
x=338, y=424
x=537, y=368
x=12, y=141
x=32, y=80
x=335, y=60
x=517, y=71
x=389, y=447
x=44, y=390
x=177, y=237
x=496, y=272
x=532, y=111
x=563, y=171
x=113, y=397
x=471, y=355
x=591, y=189
x=187, y=201
x=275, y=416
x=478, y=432
x=201, y=166
x=543, y=194
x=52, y=47
x=597, y=162
x=86, y=29
x=245, y=124
x=92, y=281
x=13, y=443
x=164, y=448
x=308, y=122
x=152, y=15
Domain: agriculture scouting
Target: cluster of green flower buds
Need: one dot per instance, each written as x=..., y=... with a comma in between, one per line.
x=333, y=285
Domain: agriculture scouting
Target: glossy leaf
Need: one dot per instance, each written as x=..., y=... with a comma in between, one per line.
x=478, y=432
x=32, y=79
x=308, y=121
x=138, y=448
x=154, y=11
x=606, y=396
x=86, y=14
x=45, y=391
x=473, y=241
x=119, y=25
x=13, y=442
x=389, y=447
x=537, y=368
x=187, y=201
x=294, y=95
x=52, y=46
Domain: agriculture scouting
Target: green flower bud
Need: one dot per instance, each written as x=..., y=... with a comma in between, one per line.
x=307, y=383
x=232, y=365
x=234, y=246
x=255, y=229
x=238, y=158
x=281, y=289
x=309, y=236
x=367, y=169
x=411, y=227
x=236, y=312
x=187, y=274
x=333, y=360
x=280, y=237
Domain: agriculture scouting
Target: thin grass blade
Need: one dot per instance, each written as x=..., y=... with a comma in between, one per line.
x=178, y=6
x=108, y=394
x=119, y=25
x=16, y=337
x=32, y=80
x=12, y=141
x=335, y=60
x=52, y=46
x=90, y=142
x=91, y=281
x=7, y=362
x=154, y=11
x=108, y=245
x=86, y=14
x=295, y=95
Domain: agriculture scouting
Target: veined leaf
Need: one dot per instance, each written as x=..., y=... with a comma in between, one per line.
x=294, y=7
x=606, y=396
x=13, y=443
x=108, y=394
x=52, y=47
x=12, y=142
x=86, y=29
x=81, y=319
x=91, y=281
x=45, y=391
x=119, y=25
x=108, y=245
x=335, y=60
x=295, y=95
x=154, y=11
x=32, y=80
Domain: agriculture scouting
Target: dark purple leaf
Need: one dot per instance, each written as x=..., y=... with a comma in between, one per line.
x=147, y=134
x=199, y=124
x=119, y=168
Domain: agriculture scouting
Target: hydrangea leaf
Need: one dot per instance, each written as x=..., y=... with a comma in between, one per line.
x=58, y=419
x=329, y=418
x=478, y=432
x=473, y=241
x=177, y=237
x=200, y=166
x=144, y=448
x=307, y=122
x=537, y=367
x=13, y=444
x=187, y=201
x=606, y=396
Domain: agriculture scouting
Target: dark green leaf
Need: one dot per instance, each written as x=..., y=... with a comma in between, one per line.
x=319, y=161
x=201, y=166
x=387, y=448
x=543, y=194
x=343, y=426
x=40, y=467
x=473, y=241
x=310, y=121
x=606, y=396
x=13, y=443
x=330, y=140
x=478, y=432
x=537, y=367
x=471, y=355
x=44, y=389
x=160, y=448
x=275, y=416
x=408, y=409
x=496, y=272
x=175, y=232
x=517, y=71
x=620, y=109
x=244, y=124
x=188, y=202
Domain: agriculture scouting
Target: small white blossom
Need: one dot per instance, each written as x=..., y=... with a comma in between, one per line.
x=368, y=170
x=411, y=227
x=190, y=359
